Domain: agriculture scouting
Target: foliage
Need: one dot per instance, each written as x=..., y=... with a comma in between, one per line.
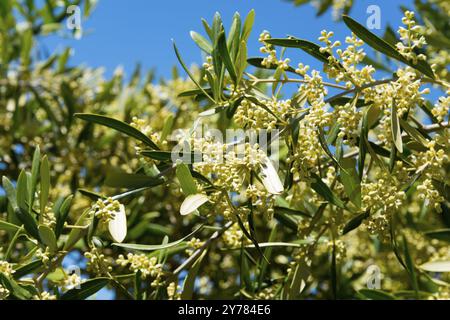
x=114, y=170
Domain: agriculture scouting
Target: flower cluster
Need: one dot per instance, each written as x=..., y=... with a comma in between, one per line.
x=105, y=210
x=149, y=267
x=271, y=60
x=97, y=262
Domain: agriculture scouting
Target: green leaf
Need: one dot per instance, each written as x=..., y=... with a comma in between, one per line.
x=189, y=281
x=22, y=190
x=6, y=226
x=86, y=290
x=62, y=214
x=355, y=222
x=28, y=221
x=241, y=61
x=248, y=25
x=169, y=155
x=27, y=45
x=10, y=192
x=201, y=42
x=45, y=184
x=413, y=132
x=349, y=178
x=119, y=126
x=48, y=237
x=207, y=28
x=233, y=40
x=168, y=125
x=363, y=142
x=440, y=234
x=396, y=130
x=307, y=46
x=299, y=278
x=91, y=194
x=186, y=180
x=384, y=47
x=323, y=190
x=225, y=54
x=119, y=179
x=145, y=247
x=194, y=92
x=293, y=212
x=410, y=265
x=34, y=176
x=374, y=294
x=14, y=288
x=29, y=268
x=177, y=53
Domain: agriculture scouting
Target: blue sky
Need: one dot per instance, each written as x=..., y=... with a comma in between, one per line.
x=127, y=32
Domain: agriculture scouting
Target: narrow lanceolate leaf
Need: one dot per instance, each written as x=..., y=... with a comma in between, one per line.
x=48, y=237
x=436, y=266
x=373, y=294
x=145, y=247
x=117, y=125
x=363, y=142
x=410, y=265
x=248, y=25
x=270, y=178
x=307, y=46
x=34, y=175
x=201, y=42
x=183, y=65
x=234, y=35
x=62, y=214
x=241, y=61
x=349, y=178
x=6, y=226
x=396, y=130
x=22, y=190
x=440, y=234
x=45, y=184
x=86, y=289
x=192, y=203
x=355, y=222
x=225, y=54
x=384, y=47
x=189, y=281
x=323, y=190
x=118, y=225
x=168, y=125
x=413, y=132
x=186, y=180
x=28, y=222
x=118, y=179
x=284, y=210
x=10, y=192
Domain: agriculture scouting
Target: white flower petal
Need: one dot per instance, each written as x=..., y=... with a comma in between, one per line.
x=118, y=226
x=270, y=177
x=436, y=266
x=192, y=202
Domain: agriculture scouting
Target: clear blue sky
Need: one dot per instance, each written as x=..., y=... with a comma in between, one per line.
x=127, y=32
